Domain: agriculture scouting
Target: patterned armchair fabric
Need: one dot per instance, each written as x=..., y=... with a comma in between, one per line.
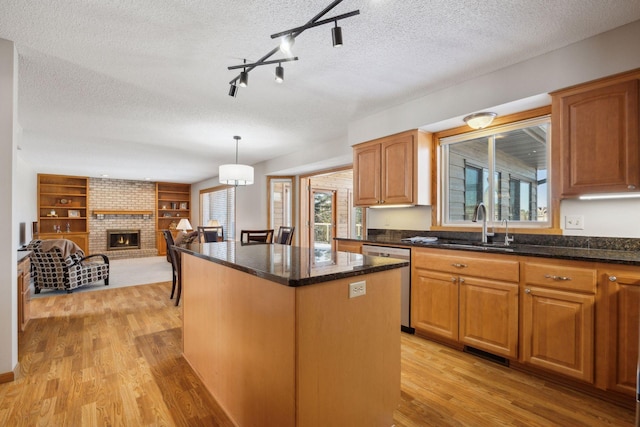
x=52, y=270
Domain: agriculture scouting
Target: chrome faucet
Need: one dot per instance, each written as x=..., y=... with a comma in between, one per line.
x=507, y=239
x=481, y=209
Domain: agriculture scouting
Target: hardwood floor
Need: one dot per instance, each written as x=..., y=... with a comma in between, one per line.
x=113, y=358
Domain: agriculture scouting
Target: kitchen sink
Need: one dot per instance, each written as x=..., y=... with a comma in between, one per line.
x=479, y=246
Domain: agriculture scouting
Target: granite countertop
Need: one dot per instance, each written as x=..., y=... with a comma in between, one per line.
x=289, y=265
x=622, y=256
x=22, y=254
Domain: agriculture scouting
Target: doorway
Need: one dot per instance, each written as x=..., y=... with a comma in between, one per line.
x=323, y=223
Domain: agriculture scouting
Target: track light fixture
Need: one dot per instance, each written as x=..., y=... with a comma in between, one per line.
x=336, y=35
x=233, y=90
x=279, y=74
x=288, y=39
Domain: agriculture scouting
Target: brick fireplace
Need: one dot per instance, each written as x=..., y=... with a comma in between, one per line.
x=123, y=239
x=125, y=199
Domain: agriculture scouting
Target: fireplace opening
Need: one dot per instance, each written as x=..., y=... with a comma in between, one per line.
x=123, y=239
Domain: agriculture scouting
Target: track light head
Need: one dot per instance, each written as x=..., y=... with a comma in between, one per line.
x=244, y=79
x=279, y=74
x=233, y=90
x=336, y=34
x=286, y=44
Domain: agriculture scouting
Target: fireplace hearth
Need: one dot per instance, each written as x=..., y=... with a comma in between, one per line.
x=123, y=239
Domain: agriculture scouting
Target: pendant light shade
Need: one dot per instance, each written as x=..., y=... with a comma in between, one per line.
x=279, y=74
x=244, y=79
x=479, y=120
x=235, y=174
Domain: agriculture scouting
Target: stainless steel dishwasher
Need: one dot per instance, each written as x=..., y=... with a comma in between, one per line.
x=405, y=272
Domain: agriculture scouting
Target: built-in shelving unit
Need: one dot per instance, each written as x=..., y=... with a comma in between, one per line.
x=63, y=204
x=173, y=202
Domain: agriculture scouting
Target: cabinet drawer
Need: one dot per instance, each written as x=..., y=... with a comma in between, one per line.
x=561, y=277
x=481, y=265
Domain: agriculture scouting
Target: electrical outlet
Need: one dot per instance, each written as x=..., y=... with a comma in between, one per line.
x=574, y=222
x=357, y=289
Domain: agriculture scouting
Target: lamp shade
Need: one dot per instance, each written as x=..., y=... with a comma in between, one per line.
x=213, y=223
x=184, y=225
x=479, y=120
x=235, y=174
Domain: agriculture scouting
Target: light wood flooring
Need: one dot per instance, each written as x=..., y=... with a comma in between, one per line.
x=113, y=358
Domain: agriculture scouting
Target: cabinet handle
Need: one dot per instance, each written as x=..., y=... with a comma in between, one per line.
x=453, y=279
x=631, y=187
x=527, y=291
x=548, y=276
x=612, y=278
x=458, y=265
x=461, y=280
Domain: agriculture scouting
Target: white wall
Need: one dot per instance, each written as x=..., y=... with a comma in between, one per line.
x=8, y=223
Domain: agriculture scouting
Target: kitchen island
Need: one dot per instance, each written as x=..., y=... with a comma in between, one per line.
x=275, y=337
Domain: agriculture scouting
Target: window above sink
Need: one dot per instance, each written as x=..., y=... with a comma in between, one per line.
x=506, y=167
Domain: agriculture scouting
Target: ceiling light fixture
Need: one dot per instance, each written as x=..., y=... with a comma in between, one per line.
x=479, y=120
x=235, y=174
x=233, y=90
x=243, y=78
x=288, y=39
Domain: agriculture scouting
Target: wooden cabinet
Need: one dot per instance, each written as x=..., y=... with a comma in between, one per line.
x=619, y=339
x=63, y=205
x=173, y=202
x=24, y=293
x=393, y=170
x=472, y=299
x=596, y=136
x=558, y=317
x=349, y=246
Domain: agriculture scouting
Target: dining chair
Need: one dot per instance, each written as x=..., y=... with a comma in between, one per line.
x=177, y=263
x=208, y=234
x=256, y=236
x=168, y=237
x=285, y=235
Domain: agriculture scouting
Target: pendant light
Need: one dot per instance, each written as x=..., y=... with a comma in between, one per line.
x=235, y=174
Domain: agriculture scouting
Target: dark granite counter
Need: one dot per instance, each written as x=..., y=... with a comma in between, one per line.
x=23, y=254
x=289, y=265
x=629, y=256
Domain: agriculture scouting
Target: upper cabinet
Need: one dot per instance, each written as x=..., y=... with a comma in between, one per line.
x=595, y=136
x=393, y=170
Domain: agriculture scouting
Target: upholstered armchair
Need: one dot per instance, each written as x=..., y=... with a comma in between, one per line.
x=61, y=264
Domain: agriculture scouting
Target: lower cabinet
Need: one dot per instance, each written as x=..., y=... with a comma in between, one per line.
x=620, y=336
x=471, y=299
x=348, y=246
x=81, y=239
x=24, y=293
x=558, y=307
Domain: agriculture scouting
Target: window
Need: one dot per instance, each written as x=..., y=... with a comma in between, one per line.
x=516, y=156
x=280, y=202
x=219, y=203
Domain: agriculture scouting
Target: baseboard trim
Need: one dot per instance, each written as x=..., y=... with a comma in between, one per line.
x=7, y=377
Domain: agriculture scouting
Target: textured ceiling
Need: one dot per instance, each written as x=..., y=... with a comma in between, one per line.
x=138, y=89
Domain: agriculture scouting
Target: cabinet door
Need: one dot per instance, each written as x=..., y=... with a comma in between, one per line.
x=434, y=303
x=489, y=315
x=599, y=139
x=624, y=297
x=558, y=331
x=366, y=175
x=397, y=170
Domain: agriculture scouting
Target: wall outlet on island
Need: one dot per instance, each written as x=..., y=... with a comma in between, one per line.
x=574, y=222
x=357, y=289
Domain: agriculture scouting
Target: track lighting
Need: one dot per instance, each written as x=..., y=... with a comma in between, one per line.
x=336, y=35
x=288, y=39
x=233, y=90
x=279, y=74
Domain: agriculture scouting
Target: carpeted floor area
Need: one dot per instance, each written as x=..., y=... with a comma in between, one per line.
x=125, y=272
